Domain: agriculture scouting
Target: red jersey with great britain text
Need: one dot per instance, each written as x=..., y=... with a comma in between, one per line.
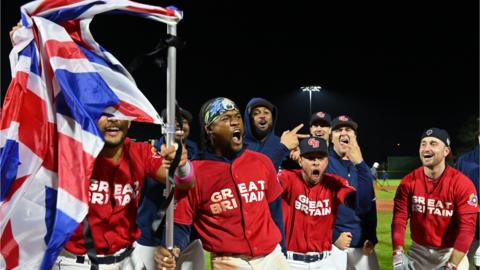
x=114, y=194
x=229, y=205
x=433, y=207
x=309, y=210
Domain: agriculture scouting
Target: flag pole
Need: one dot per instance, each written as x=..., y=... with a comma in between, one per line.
x=170, y=127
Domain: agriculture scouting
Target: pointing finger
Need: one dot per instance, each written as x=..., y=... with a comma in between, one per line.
x=297, y=128
x=302, y=136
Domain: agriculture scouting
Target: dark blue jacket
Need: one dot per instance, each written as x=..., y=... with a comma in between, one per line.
x=147, y=211
x=361, y=221
x=468, y=164
x=271, y=146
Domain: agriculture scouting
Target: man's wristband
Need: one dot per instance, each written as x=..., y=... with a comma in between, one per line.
x=185, y=174
x=184, y=170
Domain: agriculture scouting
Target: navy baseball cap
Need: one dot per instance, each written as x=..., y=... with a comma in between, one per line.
x=438, y=133
x=342, y=121
x=313, y=145
x=321, y=118
x=261, y=102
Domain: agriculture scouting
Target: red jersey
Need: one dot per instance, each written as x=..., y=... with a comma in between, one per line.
x=113, y=199
x=309, y=210
x=229, y=205
x=433, y=207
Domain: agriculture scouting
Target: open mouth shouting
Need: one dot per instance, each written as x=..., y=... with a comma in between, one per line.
x=314, y=176
x=237, y=137
x=263, y=124
x=344, y=140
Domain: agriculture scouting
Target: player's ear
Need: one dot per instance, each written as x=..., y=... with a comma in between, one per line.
x=447, y=151
x=208, y=129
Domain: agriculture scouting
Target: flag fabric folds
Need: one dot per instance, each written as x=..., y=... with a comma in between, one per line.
x=62, y=82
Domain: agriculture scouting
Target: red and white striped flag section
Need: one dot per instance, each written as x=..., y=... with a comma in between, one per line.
x=62, y=82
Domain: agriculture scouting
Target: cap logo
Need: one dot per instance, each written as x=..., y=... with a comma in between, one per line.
x=313, y=143
x=429, y=132
x=343, y=118
x=321, y=114
x=448, y=142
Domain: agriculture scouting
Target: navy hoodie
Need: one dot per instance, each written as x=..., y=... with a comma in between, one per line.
x=361, y=221
x=468, y=164
x=271, y=146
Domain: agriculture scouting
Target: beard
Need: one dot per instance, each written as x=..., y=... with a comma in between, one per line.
x=261, y=134
x=114, y=144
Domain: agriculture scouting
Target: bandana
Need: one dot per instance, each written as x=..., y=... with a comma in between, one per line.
x=216, y=108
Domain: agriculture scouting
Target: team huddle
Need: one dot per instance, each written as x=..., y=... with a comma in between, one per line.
x=255, y=200
x=258, y=201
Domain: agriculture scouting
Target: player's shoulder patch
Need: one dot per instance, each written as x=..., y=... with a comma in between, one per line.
x=473, y=200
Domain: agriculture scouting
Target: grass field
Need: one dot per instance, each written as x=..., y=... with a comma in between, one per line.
x=384, y=246
x=384, y=221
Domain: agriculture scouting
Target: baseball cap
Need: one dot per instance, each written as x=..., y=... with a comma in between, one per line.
x=313, y=145
x=184, y=113
x=438, y=133
x=260, y=102
x=321, y=117
x=344, y=120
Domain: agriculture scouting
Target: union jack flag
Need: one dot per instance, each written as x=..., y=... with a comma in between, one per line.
x=62, y=82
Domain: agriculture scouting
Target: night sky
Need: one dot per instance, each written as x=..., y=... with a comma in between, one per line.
x=395, y=68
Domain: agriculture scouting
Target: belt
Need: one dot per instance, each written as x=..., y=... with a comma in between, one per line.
x=107, y=259
x=236, y=255
x=308, y=258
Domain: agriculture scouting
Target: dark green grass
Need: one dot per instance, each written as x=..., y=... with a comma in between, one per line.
x=384, y=246
x=384, y=221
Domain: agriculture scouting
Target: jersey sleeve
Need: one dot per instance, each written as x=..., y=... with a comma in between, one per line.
x=400, y=212
x=184, y=207
x=465, y=231
x=274, y=188
x=284, y=180
x=343, y=189
x=153, y=160
x=467, y=198
x=365, y=191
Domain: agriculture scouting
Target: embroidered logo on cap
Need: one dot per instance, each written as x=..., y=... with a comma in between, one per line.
x=429, y=132
x=321, y=114
x=313, y=143
x=343, y=118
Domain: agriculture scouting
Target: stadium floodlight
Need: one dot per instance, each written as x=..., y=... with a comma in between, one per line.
x=310, y=89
